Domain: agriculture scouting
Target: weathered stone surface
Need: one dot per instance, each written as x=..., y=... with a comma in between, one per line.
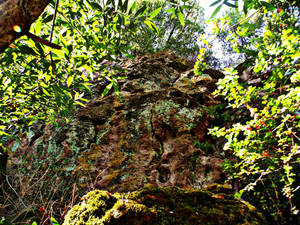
x=154, y=137
x=147, y=138
x=169, y=205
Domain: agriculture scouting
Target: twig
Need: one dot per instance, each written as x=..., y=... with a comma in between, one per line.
x=20, y=213
x=15, y=192
x=42, y=41
x=248, y=17
x=31, y=186
x=73, y=195
x=51, y=35
x=51, y=211
x=53, y=20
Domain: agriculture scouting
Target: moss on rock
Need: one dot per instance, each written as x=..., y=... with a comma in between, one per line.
x=162, y=205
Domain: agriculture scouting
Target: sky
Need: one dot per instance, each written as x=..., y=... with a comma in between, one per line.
x=208, y=11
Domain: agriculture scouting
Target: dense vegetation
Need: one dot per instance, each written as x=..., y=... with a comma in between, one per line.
x=262, y=149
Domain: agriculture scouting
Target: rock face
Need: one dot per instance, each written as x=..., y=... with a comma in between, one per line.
x=169, y=205
x=148, y=137
x=151, y=137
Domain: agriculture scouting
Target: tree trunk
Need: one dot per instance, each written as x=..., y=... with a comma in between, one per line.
x=21, y=13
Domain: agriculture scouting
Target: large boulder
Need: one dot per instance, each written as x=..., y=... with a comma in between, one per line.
x=146, y=137
x=153, y=135
x=169, y=205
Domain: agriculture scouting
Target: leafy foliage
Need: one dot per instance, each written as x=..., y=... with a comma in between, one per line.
x=263, y=152
x=178, y=24
x=39, y=83
x=42, y=85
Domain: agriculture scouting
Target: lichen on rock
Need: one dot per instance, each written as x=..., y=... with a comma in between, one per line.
x=168, y=205
x=152, y=139
x=146, y=138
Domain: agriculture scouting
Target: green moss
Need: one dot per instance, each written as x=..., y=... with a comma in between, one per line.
x=92, y=209
x=157, y=206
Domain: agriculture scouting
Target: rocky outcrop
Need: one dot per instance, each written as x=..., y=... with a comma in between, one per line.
x=154, y=134
x=147, y=136
x=169, y=205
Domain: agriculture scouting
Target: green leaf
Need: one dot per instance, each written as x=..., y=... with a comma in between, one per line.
x=215, y=3
x=230, y=5
x=186, y=7
x=216, y=11
x=86, y=87
x=124, y=6
x=88, y=4
x=93, y=5
x=27, y=50
x=80, y=103
x=58, y=53
x=246, y=6
x=116, y=88
x=132, y=8
x=3, y=133
x=154, y=13
x=70, y=80
x=46, y=92
x=171, y=10
x=37, y=26
x=107, y=89
x=141, y=11
x=268, y=5
x=181, y=18
x=88, y=68
x=48, y=19
x=40, y=49
x=151, y=25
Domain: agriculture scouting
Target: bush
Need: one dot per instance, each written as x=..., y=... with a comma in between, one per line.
x=265, y=149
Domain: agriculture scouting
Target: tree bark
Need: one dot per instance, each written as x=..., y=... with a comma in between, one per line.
x=21, y=13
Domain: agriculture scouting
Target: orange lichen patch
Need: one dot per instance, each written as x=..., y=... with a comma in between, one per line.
x=152, y=197
x=219, y=197
x=265, y=153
